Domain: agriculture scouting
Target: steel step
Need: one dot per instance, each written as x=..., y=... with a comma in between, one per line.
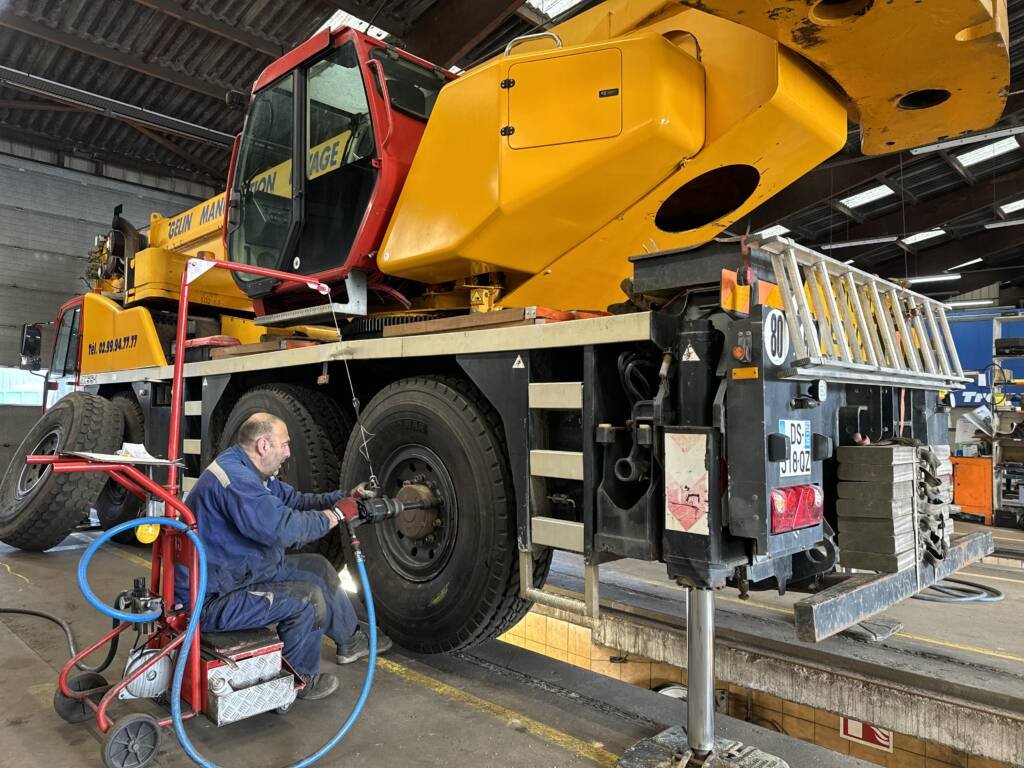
x=559, y=395
x=560, y=534
x=566, y=465
x=192, y=408
x=192, y=447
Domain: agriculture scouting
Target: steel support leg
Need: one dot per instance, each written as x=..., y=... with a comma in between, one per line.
x=700, y=666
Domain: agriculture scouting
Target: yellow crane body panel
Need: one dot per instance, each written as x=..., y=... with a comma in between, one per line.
x=116, y=339
x=156, y=274
x=506, y=178
x=560, y=208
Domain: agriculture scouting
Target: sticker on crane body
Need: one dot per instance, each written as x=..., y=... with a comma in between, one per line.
x=686, y=483
x=776, y=337
x=799, y=460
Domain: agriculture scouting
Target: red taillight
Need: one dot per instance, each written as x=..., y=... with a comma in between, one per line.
x=797, y=506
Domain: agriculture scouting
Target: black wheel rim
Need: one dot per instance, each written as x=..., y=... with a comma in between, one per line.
x=133, y=745
x=33, y=474
x=423, y=559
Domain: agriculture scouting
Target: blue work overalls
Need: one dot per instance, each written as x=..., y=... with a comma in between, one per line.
x=246, y=522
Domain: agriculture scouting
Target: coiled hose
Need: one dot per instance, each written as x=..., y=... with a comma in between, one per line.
x=193, y=625
x=952, y=590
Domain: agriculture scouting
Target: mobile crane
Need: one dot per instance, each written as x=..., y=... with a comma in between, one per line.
x=588, y=168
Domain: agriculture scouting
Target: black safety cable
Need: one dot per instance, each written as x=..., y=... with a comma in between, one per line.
x=952, y=590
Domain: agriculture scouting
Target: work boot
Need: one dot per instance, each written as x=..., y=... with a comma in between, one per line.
x=318, y=687
x=358, y=646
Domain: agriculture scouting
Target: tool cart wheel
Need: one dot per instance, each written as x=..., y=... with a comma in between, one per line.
x=132, y=742
x=72, y=710
x=448, y=577
x=39, y=507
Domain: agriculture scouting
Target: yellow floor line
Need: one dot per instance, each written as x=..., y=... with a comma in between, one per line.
x=788, y=611
x=117, y=551
x=580, y=748
x=961, y=647
x=975, y=575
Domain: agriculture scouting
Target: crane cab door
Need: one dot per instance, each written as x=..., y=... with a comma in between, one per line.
x=324, y=215
x=65, y=359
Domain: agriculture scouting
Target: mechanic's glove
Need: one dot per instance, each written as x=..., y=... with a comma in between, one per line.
x=364, y=491
x=347, y=509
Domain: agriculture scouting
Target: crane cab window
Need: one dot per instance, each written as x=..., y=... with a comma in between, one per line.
x=339, y=171
x=65, y=348
x=412, y=88
x=264, y=184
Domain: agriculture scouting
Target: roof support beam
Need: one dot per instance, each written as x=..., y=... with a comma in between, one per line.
x=936, y=211
x=985, y=244
x=450, y=29
x=173, y=148
x=78, y=98
x=215, y=26
x=81, y=149
x=109, y=54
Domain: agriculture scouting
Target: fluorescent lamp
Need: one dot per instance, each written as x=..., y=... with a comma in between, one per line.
x=965, y=140
x=988, y=152
x=778, y=229
x=1013, y=207
x=971, y=303
x=848, y=261
x=931, y=279
x=921, y=236
x=1000, y=224
x=867, y=196
x=855, y=243
x=965, y=264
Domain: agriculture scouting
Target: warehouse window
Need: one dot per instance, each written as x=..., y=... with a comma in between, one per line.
x=18, y=387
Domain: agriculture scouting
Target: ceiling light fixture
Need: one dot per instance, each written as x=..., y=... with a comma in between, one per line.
x=1013, y=207
x=988, y=152
x=867, y=196
x=778, y=229
x=917, y=280
x=1001, y=224
x=855, y=243
x=918, y=237
x=965, y=264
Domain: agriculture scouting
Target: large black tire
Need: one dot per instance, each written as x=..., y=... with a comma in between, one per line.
x=314, y=464
x=459, y=587
x=115, y=504
x=38, y=507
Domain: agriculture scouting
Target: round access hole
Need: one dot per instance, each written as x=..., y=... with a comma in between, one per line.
x=924, y=99
x=707, y=198
x=835, y=11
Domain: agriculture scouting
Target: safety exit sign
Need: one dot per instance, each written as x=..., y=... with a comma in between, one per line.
x=865, y=733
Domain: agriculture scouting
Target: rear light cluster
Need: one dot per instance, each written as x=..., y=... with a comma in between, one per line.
x=797, y=506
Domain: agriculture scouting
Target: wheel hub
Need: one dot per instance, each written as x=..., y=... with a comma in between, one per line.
x=417, y=523
x=418, y=544
x=32, y=474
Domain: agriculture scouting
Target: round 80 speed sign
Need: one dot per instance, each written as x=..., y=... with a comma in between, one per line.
x=776, y=337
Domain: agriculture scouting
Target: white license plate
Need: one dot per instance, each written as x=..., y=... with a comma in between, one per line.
x=799, y=460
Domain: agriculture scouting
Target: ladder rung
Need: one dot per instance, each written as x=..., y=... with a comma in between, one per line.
x=193, y=408
x=192, y=447
x=560, y=534
x=567, y=465
x=559, y=395
x=188, y=482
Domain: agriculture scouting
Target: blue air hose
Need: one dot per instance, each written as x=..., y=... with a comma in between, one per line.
x=193, y=625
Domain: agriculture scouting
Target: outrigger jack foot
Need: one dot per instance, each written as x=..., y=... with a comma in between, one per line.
x=669, y=749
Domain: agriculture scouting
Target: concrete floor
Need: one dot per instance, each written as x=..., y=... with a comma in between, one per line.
x=497, y=705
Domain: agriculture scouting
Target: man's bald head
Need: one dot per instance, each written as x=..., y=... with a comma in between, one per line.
x=264, y=437
x=256, y=426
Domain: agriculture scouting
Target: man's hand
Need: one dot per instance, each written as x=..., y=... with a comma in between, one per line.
x=363, y=491
x=347, y=509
